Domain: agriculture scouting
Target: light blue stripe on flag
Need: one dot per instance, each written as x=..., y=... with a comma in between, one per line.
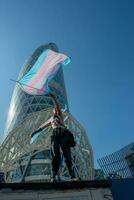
x=35, y=136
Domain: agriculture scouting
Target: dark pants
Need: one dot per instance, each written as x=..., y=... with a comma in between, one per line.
x=59, y=141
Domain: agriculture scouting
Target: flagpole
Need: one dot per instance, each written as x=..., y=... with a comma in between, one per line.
x=22, y=84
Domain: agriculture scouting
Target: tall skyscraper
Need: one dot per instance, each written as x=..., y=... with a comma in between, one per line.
x=22, y=161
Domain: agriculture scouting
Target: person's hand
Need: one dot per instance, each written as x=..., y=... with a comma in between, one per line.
x=38, y=130
x=51, y=95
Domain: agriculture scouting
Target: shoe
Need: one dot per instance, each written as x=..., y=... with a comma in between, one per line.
x=53, y=179
x=74, y=179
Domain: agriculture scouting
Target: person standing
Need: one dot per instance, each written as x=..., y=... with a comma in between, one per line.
x=61, y=139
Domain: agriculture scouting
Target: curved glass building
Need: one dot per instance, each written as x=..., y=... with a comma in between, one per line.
x=22, y=161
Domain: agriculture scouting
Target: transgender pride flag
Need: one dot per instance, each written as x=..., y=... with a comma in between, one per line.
x=35, y=81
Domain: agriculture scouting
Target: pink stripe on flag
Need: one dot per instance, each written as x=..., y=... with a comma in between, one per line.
x=45, y=68
x=37, y=77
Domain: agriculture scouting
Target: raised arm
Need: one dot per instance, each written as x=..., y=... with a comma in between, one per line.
x=44, y=125
x=57, y=106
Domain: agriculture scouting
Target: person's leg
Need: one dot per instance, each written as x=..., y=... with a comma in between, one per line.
x=68, y=160
x=64, y=143
x=55, y=152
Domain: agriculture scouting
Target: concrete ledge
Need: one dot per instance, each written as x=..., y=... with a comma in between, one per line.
x=57, y=185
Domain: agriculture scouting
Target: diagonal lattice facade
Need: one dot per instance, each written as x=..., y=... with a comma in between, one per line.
x=119, y=163
x=22, y=161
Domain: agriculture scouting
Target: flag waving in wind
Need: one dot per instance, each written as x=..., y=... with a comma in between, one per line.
x=35, y=81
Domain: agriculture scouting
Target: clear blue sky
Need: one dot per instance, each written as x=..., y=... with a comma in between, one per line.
x=99, y=36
